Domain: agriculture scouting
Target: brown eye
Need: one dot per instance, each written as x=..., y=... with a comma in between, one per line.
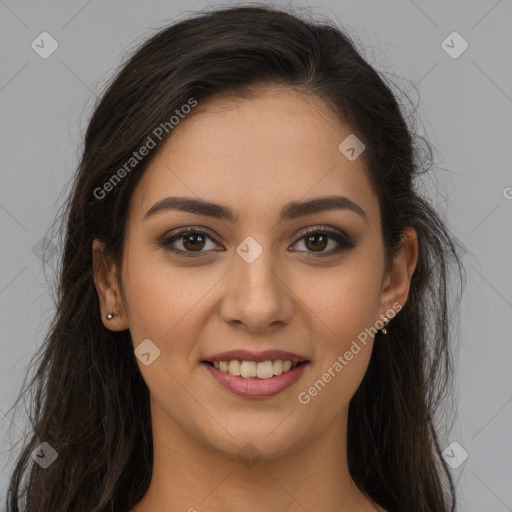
x=317, y=240
x=192, y=242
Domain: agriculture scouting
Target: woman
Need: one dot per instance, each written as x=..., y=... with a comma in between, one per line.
x=252, y=311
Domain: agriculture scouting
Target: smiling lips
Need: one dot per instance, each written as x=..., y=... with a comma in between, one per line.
x=256, y=375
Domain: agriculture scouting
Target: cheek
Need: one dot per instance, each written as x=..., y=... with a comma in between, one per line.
x=344, y=345
x=164, y=305
x=158, y=296
x=346, y=305
x=168, y=306
x=345, y=300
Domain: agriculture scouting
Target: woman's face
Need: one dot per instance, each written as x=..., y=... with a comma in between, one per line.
x=254, y=281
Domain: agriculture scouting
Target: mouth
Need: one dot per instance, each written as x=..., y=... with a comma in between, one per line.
x=251, y=379
x=261, y=370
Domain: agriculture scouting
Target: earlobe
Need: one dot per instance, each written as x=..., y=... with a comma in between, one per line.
x=104, y=272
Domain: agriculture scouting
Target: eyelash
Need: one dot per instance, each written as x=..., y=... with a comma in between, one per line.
x=344, y=242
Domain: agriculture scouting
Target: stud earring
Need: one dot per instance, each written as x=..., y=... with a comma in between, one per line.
x=385, y=320
x=112, y=315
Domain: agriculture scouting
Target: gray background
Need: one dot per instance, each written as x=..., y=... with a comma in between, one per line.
x=465, y=107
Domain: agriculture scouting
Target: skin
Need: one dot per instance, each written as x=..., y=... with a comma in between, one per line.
x=254, y=155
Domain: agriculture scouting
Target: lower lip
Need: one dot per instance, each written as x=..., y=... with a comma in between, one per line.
x=254, y=387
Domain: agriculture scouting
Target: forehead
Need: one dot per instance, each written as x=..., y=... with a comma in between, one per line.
x=256, y=154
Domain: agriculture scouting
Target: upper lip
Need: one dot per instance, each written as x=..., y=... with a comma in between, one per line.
x=266, y=355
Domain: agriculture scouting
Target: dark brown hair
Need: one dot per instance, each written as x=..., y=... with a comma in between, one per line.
x=89, y=400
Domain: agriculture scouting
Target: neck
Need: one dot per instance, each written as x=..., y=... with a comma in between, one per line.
x=191, y=476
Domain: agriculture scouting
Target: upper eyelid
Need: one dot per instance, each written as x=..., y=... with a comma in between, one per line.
x=321, y=227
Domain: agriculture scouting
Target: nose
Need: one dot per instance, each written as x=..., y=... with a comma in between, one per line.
x=258, y=295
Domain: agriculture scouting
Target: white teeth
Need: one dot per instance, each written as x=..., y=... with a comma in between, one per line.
x=250, y=369
x=234, y=367
x=265, y=370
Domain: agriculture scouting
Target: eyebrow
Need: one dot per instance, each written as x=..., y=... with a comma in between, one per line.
x=290, y=211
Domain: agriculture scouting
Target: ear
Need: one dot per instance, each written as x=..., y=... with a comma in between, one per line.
x=109, y=295
x=395, y=288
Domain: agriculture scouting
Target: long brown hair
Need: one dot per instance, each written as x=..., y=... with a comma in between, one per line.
x=89, y=401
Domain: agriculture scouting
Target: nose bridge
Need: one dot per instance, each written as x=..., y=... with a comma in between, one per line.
x=258, y=296
x=256, y=268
